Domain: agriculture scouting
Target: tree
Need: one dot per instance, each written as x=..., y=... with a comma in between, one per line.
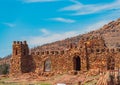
x=4, y=69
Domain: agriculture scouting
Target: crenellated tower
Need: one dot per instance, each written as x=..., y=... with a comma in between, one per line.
x=20, y=56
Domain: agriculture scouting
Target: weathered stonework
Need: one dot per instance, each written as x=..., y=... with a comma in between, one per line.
x=89, y=54
x=21, y=61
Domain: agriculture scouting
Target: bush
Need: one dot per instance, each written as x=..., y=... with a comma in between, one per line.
x=4, y=69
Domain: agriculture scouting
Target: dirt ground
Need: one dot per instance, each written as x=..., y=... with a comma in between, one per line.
x=90, y=78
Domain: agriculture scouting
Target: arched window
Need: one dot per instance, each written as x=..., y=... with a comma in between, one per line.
x=47, y=65
x=97, y=50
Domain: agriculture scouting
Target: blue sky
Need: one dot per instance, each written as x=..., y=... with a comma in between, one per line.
x=45, y=21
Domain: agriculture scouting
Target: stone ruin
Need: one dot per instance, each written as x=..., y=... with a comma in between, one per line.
x=90, y=53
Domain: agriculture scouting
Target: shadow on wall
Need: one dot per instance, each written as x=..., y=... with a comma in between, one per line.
x=28, y=64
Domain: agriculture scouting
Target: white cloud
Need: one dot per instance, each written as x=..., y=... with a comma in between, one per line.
x=9, y=24
x=96, y=26
x=39, y=40
x=60, y=19
x=33, y=1
x=81, y=9
x=44, y=31
x=75, y=1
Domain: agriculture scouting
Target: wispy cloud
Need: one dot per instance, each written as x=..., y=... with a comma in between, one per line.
x=96, y=25
x=82, y=9
x=60, y=19
x=34, y=1
x=39, y=40
x=75, y=1
x=44, y=31
x=9, y=24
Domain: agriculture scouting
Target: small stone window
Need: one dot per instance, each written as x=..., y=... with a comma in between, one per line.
x=75, y=46
x=119, y=50
x=47, y=65
x=97, y=50
x=16, y=52
x=47, y=52
x=112, y=50
x=24, y=52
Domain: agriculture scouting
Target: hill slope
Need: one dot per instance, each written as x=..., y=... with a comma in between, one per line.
x=110, y=33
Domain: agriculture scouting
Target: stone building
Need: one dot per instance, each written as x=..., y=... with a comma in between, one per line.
x=90, y=53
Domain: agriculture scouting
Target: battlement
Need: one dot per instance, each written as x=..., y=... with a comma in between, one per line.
x=104, y=50
x=20, y=48
x=97, y=50
x=48, y=52
x=19, y=43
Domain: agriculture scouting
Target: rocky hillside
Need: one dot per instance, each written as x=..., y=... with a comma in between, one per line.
x=110, y=32
x=5, y=60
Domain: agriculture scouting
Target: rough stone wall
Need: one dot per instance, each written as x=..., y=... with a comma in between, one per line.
x=89, y=54
x=21, y=61
x=60, y=63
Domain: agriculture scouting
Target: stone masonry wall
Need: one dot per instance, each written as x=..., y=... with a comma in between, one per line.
x=89, y=54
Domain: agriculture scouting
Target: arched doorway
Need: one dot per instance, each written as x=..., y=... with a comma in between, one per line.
x=110, y=63
x=77, y=63
x=47, y=65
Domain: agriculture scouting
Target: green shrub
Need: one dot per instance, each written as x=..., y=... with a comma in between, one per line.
x=4, y=69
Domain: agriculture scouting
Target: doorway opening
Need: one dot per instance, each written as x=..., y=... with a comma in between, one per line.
x=77, y=63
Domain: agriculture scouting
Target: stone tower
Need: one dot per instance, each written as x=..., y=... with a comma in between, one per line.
x=20, y=55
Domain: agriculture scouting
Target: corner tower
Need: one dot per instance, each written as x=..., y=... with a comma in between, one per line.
x=19, y=60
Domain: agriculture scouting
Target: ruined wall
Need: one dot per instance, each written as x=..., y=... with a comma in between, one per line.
x=60, y=62
x=93, y=54
x=90, y=53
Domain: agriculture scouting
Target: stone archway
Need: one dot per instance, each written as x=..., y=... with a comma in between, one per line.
x=77, y=63
x=110, y=63
x=47, y=65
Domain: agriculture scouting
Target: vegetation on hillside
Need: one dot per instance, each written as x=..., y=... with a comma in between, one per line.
x=4, y=69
